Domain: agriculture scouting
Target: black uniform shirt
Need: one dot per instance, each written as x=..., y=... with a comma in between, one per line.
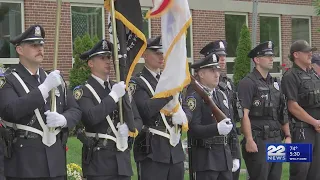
x=247, y=88
x=291, y=82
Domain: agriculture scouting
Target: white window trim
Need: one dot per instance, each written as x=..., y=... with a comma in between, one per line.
x=304, y=17
x=14, y=60
x=149, y=21
x=231, y=59
x=276, y=59
x=88, y=5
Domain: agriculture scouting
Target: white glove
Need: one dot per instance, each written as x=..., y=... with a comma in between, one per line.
x=53, y=80
x=122, y=139
x=174, y=137
x=225, y=126
x=179, y=117
x=236, y=165
x=118, y=90
x=123, y=130
x=55, y=119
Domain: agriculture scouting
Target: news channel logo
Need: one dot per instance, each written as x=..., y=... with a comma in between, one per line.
x=276, y=153
x=289, y=152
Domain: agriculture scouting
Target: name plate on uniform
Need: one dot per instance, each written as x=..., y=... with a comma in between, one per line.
x=289, y=152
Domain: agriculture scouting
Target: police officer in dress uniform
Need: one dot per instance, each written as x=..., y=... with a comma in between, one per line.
x=301, y=87
x=227, y=86
x=212, y=156
x=265, y=116
x=98, y=100
x=156, y=158
x=36, y=137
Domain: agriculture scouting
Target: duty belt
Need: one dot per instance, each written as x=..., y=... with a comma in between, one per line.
x=105, y=144
x=26, y=134
x=209, y=142
x=271, y=134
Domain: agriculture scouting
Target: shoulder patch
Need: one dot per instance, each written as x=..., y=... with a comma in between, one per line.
x=132, y=87
x=191, y=102
x=77, y=92
x=2, y=81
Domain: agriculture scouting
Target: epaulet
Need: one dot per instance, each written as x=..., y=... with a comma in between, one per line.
x=78, y=92
x=7, y=72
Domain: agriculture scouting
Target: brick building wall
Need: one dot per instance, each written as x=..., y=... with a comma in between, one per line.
x=44, y=13
x=207, y=26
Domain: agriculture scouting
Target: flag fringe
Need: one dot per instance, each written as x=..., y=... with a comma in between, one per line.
x=137, y=32
x=187, y=81
x=184, y=127
x=159, y=12
x=172, y=92
x=169, y=113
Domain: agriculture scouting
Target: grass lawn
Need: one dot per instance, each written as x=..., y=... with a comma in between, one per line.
x=74, y=156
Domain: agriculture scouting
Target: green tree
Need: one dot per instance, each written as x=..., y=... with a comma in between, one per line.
x=242, y=61
x=80, y=71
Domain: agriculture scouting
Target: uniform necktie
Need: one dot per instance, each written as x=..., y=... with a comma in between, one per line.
x=36, y=77
x=216, y=97
x=106, y=84
x=158, y=76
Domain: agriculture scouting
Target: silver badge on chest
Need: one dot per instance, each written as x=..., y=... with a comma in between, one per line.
x=276, y=85
x=229, y=85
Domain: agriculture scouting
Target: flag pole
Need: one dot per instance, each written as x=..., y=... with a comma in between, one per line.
x=115, y=52
x=55, y=56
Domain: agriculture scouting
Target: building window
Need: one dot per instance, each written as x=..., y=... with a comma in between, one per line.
x=270, y=31
x=233, y=25
x=146, y=23
x=10, y=27
x=87, y=20
x=189, y=43
x=300, y=29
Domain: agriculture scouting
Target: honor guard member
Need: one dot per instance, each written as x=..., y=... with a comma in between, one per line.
x=156, y=158
x=210, y=144
x=35, y=138
x=265, y=115
x=301, y=87
x=226, y=85
x=98, y=100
